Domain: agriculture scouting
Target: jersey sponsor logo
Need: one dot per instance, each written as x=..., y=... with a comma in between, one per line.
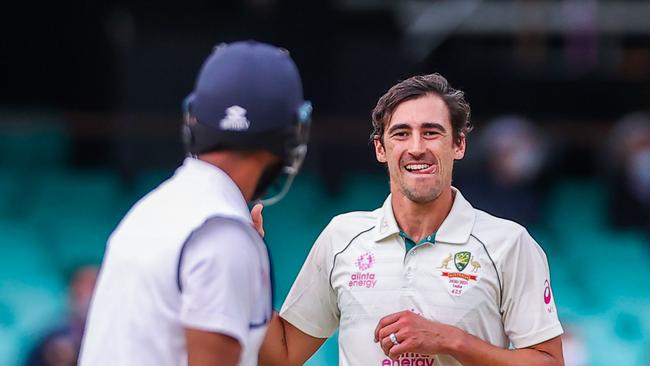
x=363, y=278
x=458, y=282
x=547, y=293
x=365, y=261
x=409, y=359
x=235, y=119
x=548, y=297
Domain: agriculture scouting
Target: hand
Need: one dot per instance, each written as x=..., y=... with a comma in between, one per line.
x=414, y=334
x=258, y=220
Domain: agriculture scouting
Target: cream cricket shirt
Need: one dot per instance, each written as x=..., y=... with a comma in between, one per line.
x=482, y=274
x=185, y=256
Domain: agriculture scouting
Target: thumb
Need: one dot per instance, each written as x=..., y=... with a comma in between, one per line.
x=258, y=219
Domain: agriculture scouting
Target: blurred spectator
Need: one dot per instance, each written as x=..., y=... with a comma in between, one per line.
x=628, y=154
x=60, y=346
x=507, y=178
x=574, y=348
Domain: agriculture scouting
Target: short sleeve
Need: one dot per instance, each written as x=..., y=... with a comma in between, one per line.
x=528, y=306
x=311, y=303
x=218, y=278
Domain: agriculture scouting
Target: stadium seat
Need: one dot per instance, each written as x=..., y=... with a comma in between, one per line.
x=11, y=343
x=40, y=140
x=576, y=204
x=23, y=254
x=606, y=348
x=68, y=191
x=327, y=354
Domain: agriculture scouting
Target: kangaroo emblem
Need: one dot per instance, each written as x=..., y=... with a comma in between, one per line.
x=476, y=265
x=445, y=262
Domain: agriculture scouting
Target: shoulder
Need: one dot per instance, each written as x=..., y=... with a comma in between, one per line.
x=225, y=236
x=222, y=246
x=226, y=223
x=351, y=224
x=350, y=221
x=345, y=228
x=490, y=226
x=499, y=235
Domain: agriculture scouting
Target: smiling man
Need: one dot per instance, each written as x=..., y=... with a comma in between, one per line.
x=426, y=279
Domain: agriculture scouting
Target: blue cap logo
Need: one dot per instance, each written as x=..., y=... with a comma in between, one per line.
x=235, y=119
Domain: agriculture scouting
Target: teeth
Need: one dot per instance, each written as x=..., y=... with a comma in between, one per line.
x=412, y=167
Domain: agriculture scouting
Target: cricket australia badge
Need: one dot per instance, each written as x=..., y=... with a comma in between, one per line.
x=463, y=275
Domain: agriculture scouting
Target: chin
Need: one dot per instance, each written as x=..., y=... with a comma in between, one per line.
x=421, y=197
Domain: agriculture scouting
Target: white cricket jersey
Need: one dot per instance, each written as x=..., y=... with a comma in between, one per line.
x=479, y=273
x=185, y=256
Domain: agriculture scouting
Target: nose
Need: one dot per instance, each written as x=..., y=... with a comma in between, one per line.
x=416, y=146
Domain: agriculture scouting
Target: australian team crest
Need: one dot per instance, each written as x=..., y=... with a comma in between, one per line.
x=461, y=260
x=459, y=282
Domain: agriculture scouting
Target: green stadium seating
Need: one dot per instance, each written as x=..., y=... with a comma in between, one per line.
x=34, y=141
x=32, y=293
x=11, y=343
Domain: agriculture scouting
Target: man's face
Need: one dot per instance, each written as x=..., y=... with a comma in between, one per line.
x=419, y=149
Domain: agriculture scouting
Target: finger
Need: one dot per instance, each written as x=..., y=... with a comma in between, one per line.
x=388, y=319
x=387, y=330
x=397, y=350
x=386, y=345
x=258, y=219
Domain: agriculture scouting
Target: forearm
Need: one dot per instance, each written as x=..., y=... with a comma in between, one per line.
x=286, y=345
x=274, y=348
x=211, y=349
x=473, y=351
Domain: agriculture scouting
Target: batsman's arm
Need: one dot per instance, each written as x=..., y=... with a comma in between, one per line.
x=286, y=345
x=211, y=349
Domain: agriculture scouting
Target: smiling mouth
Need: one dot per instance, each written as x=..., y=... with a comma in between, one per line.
x=420, y=168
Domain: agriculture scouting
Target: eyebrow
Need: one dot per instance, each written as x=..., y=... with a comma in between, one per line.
x=425, y=125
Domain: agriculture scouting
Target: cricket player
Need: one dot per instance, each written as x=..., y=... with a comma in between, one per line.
x=426, y=279
x=185, y=278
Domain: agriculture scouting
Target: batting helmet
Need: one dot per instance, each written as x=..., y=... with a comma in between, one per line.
x=248, y=96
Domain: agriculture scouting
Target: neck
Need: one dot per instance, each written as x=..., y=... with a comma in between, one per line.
x=245, y=169
x=419, y=220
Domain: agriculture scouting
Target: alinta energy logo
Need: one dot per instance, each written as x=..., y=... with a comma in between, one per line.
x=410, y=359
x=365, y=261
x=363, y=278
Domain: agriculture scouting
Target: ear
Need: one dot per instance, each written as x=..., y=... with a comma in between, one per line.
x=380, y=151
x=459, y=148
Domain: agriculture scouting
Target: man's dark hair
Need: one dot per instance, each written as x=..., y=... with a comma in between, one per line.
x=419, y=86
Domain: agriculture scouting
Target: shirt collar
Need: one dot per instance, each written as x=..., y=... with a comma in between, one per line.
x=455, y=229
x=458, y=225
x=386, y=224
x=208, y=178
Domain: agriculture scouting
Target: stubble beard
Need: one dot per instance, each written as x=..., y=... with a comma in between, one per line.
x=422, y=195
x=418, y=192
